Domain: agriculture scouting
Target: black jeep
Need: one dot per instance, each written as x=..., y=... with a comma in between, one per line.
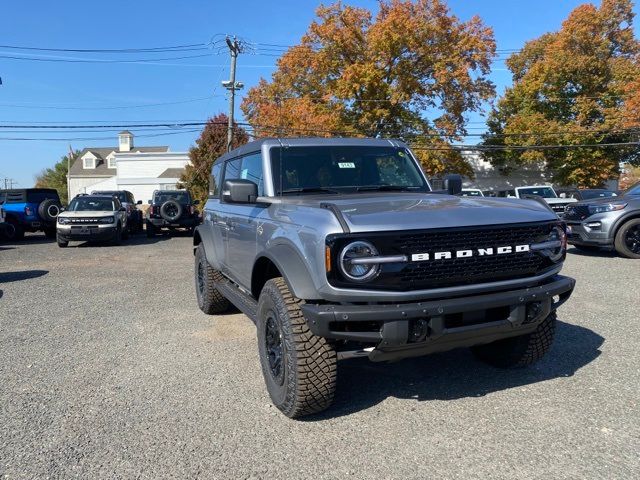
x=172, y=209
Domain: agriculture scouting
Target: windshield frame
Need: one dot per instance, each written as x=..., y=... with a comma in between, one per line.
x=272, y=167
x=630, y=190
x=75, y=201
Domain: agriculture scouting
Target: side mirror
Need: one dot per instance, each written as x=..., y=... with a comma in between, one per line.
x=196, y=202
x=139, y=202
x=239, y=191
x=453, y=184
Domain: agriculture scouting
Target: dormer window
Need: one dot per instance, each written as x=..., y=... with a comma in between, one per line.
x=89, y=162
x=111, y=161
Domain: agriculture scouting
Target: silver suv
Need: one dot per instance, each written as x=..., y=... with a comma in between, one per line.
x=91, y=218
x=339, y=248
x=609, y=223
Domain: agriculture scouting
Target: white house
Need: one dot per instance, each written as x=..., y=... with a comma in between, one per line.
x=140, y=170
x=489, y=177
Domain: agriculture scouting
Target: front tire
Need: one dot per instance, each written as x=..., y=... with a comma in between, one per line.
x=210, y=300
x=117, y=239
x=62, y=243
x=299, y=368
x=627, y=242
x=522, y=351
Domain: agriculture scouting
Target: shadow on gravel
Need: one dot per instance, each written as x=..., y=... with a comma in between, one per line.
x=131, y=241
x=593, y=253
x=454, y=375
x=7, y=248
x=7, y=277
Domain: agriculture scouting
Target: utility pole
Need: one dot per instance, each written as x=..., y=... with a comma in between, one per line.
x=234, y=49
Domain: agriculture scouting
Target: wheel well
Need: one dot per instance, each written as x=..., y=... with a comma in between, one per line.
x=197, y=239
x=623, y=222
x=263, y=271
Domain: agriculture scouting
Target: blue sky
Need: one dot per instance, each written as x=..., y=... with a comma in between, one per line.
x=121, y=93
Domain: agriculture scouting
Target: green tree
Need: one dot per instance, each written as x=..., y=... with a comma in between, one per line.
x=572, y=87
x=413, y=70
x=211, y=144
x=56, y=177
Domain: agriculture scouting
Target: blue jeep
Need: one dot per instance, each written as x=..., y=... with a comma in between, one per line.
x=30, y=210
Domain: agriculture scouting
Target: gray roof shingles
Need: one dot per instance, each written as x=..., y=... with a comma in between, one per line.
x=101, y=164
x=172, y=173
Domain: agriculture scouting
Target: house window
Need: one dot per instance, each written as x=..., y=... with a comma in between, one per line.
x=89, y=162
x=111, y=162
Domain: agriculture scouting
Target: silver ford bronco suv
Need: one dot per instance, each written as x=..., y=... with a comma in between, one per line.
x=338, y=248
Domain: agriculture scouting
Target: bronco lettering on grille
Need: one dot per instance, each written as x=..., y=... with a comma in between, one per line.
x=479, y=252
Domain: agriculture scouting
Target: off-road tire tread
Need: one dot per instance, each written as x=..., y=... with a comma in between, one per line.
x=213, y=301
x=619, y=242
x=314, y=368
x=522, y=351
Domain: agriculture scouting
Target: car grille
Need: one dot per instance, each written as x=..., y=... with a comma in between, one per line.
x=458, y=271
x=85, y=221
x=558, y=207
x=576, y=212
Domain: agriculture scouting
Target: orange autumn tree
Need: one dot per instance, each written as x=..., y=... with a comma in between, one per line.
x=569, y=88
x=412, y=71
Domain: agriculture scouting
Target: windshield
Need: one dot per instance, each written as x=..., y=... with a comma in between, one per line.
x=180, y=197
x=544, y=192
x=589, y=194
x=471, y=193
x=83, y=204
x=633, y=190
x=344, y=169
x=120, y=195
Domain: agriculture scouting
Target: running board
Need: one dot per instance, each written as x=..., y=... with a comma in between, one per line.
x=244, y=302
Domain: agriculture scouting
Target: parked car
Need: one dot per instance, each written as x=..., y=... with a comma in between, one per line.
x=585, y=193
x=339, y=248
x=135, y=218
x=472, y=192
x=2, y=221
x=172, y=209
x=92, y=218
x=609, y=223
x=545, y=192
x=30, y=210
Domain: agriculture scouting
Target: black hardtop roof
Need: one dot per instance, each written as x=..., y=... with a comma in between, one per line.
x=31, y=190
x=171, y=191
x=257, y=145
x=107, y=192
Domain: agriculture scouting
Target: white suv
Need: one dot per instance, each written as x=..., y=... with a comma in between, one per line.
x=92, y=218
x=550, y=196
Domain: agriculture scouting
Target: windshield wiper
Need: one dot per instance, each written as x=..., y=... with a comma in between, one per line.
x=309, y=190
x=386, y=188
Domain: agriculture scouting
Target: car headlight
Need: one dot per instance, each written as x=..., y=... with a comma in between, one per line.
x=107, y=220
x=607, y=207
x=355, y=261
x=63, y=220
x=558, y=237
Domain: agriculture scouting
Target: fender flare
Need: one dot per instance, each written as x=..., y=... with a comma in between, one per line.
x=622, y=220
x=296, y=273
x=205, y=236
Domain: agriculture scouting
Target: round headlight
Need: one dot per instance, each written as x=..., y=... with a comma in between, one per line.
x=558, y=234
x=351, y=268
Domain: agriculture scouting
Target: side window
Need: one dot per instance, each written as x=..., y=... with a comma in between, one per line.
x=252, y=170
x=232, y=169
x=215, y=180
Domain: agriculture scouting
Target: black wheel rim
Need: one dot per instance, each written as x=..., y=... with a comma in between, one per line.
x=632, y=239
x=172, y=211
x=200, y=278
x=273, y=347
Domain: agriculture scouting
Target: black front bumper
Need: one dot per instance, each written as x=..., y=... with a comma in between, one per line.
x=95, y=235
x=447, y=324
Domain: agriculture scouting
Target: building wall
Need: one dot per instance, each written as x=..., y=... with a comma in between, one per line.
x=489, y=178
x=79, y=185
x=148, y=165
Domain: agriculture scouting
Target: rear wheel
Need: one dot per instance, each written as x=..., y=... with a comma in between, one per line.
x=210, y=300
x=627, y=240
x=13, y=231
x=516, y=352
x=299, y=368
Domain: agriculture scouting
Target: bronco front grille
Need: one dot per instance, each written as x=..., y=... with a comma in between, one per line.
x=415, y=275
x=85, y=221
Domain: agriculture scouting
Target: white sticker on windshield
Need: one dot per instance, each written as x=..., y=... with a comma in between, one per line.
x=346, y=165
x=244, y=174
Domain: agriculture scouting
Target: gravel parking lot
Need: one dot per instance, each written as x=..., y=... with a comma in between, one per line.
x=109, y=370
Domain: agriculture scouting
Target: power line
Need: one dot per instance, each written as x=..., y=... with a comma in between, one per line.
x=96, y=60
x=110, y=50
x=113, y=107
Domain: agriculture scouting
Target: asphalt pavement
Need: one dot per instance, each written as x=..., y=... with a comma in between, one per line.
x=109, y=370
